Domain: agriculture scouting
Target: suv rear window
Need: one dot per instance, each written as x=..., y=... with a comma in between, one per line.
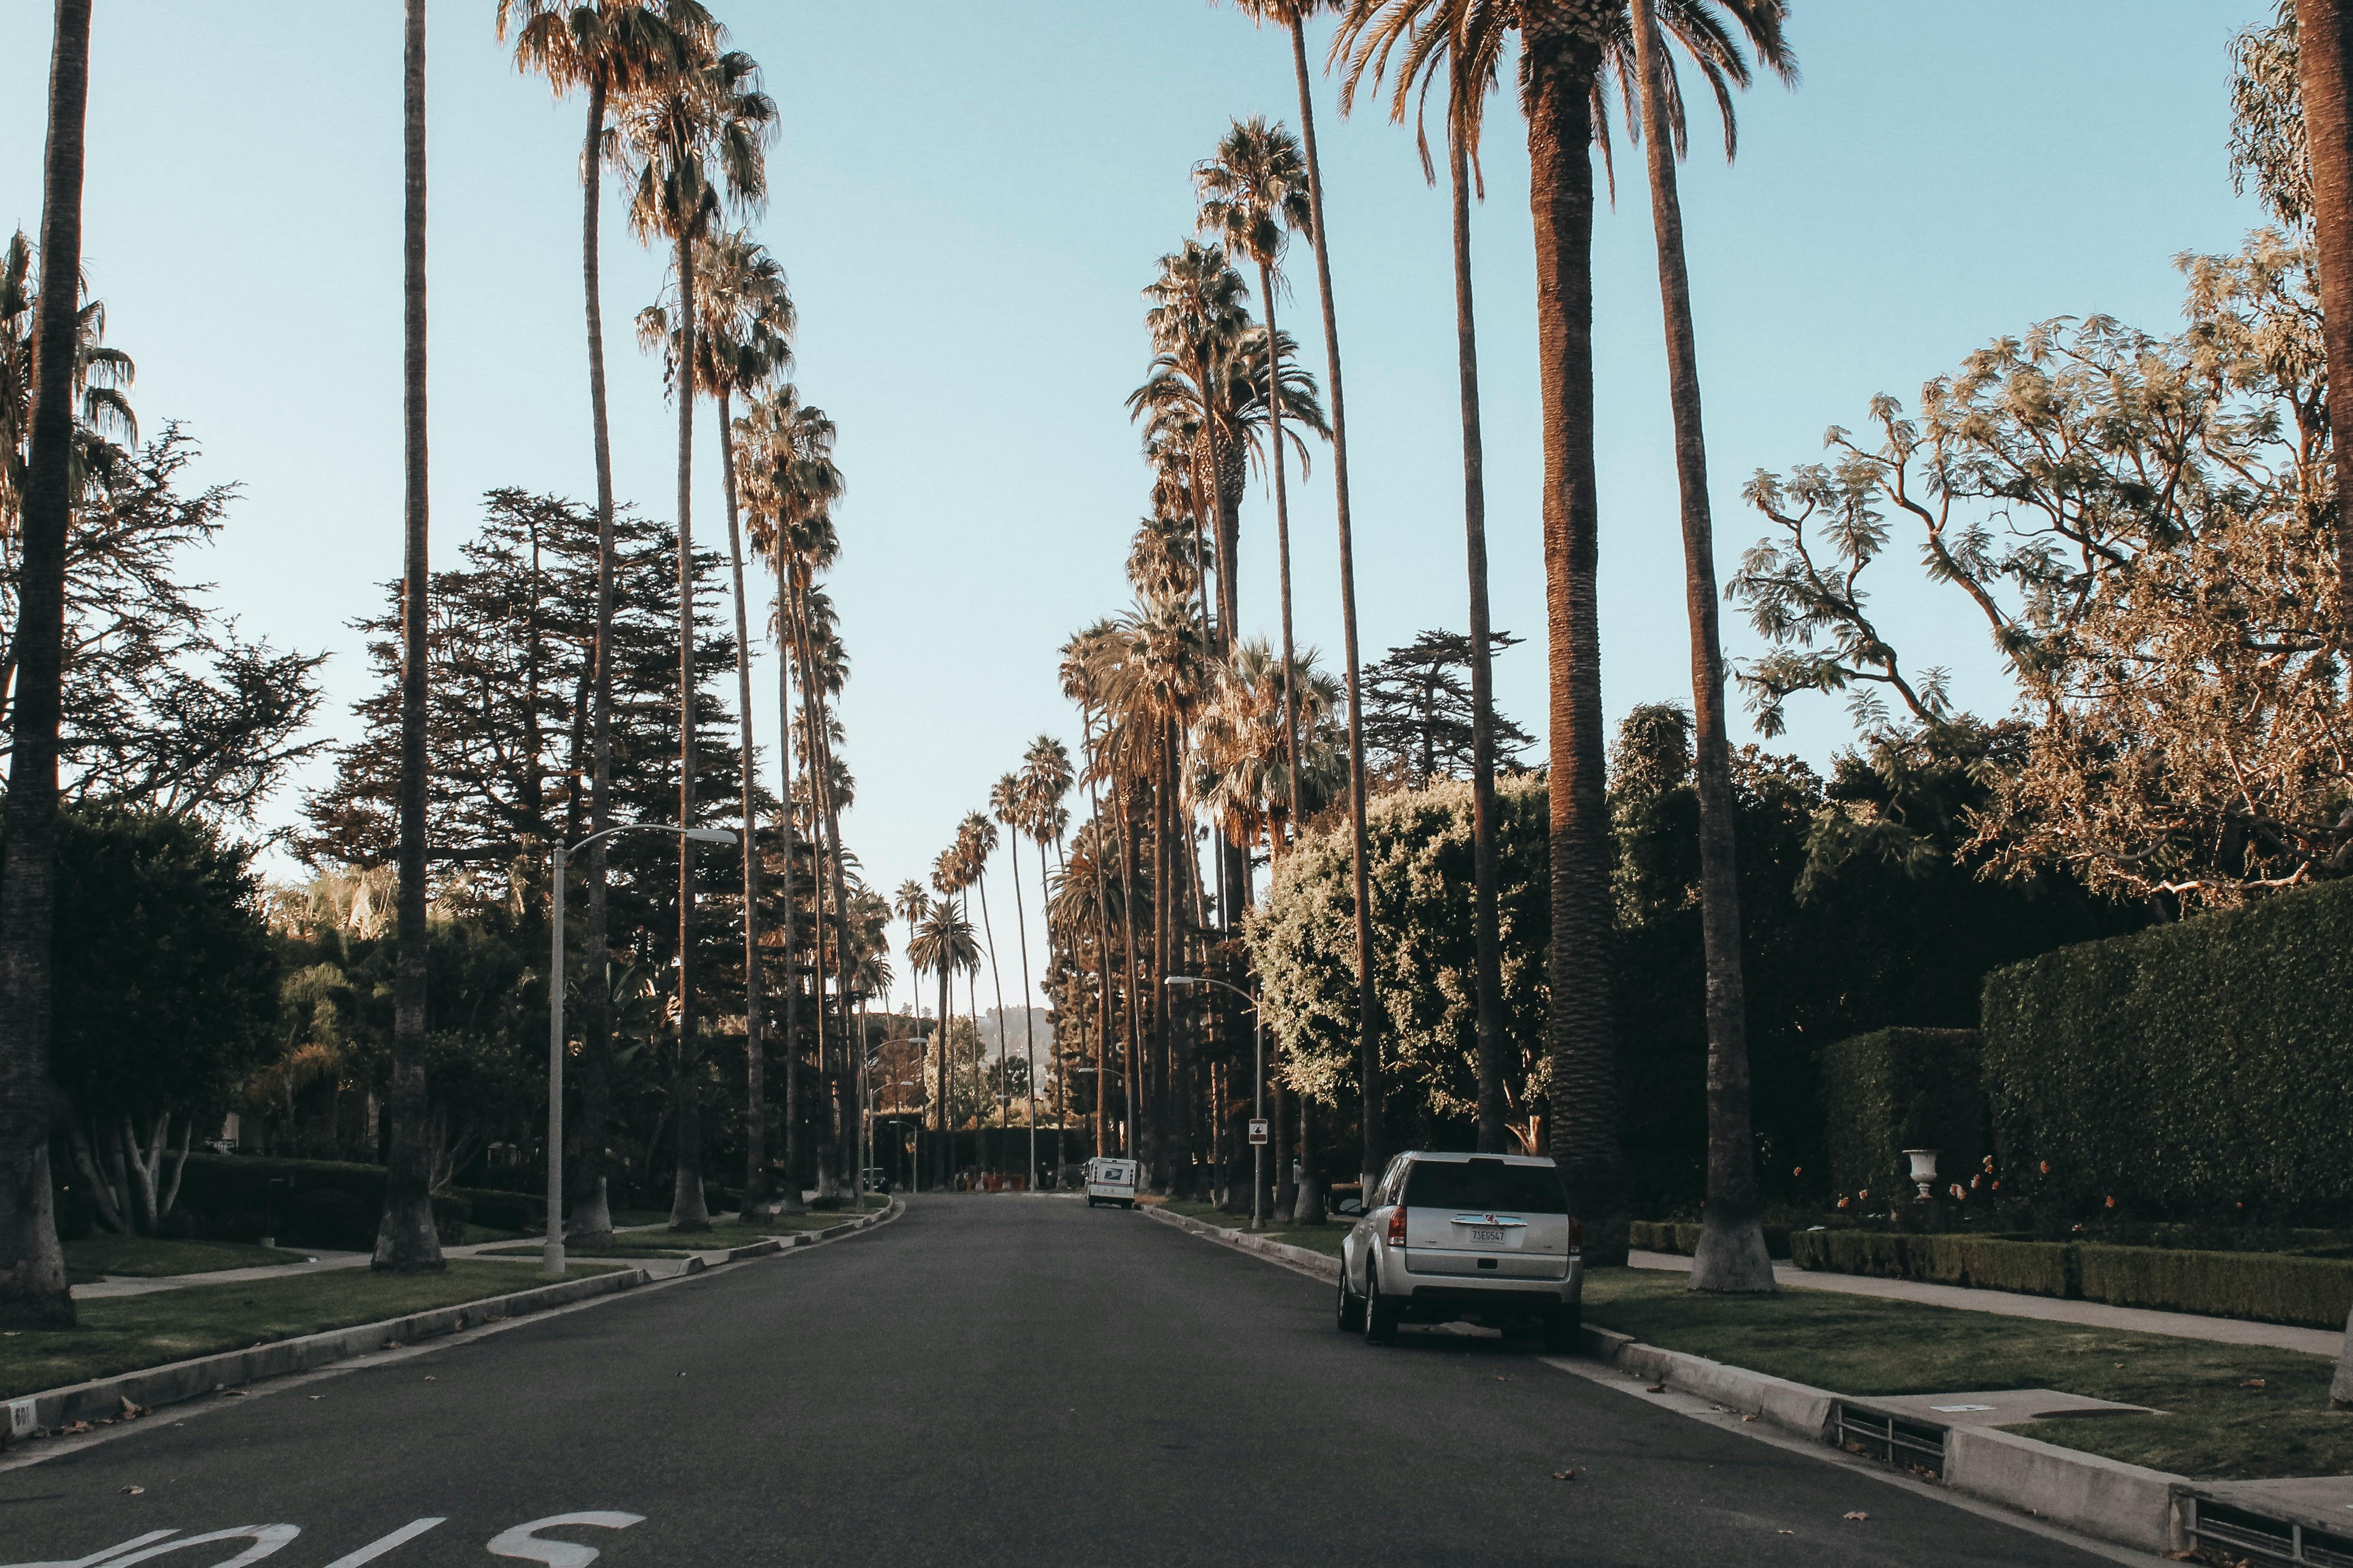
x=1484, y=1185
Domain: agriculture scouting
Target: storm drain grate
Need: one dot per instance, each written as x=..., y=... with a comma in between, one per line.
x=2270, y=1540
x=1892, y=1440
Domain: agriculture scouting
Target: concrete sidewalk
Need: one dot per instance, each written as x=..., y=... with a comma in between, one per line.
x=2049, y=1308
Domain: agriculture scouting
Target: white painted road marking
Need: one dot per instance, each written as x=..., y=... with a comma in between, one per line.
x=376, y=1548
x=522, y=1542
x=266, y=1539
x=97, y=1557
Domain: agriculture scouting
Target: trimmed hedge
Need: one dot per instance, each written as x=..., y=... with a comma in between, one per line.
x=312, y=1203
x=2314, y=1292
x=1681, y=1237
x=2198, y=1070
x=1894, y=1089
x=501, y=1210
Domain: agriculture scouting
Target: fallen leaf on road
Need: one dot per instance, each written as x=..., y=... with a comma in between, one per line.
x=232, y=1394
x=429, y=1377
x=1656, y=1388
x=2253, y=1383
x=131, y=1412
x=1858, y=1516
x=2182, y=1557
x=1748, y=1418
x=1564, y=1474
x=1785, y=1532
x=75, y=1430
x=133, y=1491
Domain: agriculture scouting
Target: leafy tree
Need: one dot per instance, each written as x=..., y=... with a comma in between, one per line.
x=2146, y=527
x=166, y=703
x=166, y=990
x=1419, y=713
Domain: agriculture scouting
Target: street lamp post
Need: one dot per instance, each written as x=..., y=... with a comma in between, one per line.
x=551, y=1257
x=1258, y=1090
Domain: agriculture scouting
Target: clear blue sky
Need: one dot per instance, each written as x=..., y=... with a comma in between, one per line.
x=968, y=198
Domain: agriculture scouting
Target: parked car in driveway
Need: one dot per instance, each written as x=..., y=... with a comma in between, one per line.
x=1483, y=1239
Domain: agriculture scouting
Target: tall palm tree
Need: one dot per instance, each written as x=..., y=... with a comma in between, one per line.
x=1008, y=802
x=1045, y=785
x=613, y=49
x=1197, y=321
x=744, y=345
x=942, y=945
x=1292, y=16
x=1254, y=197
x=1731, y=1254
x=33, y=1291
x=790, y=484
x=406, y=1242
x=978, y=838
x=697, y=138
x=1569, y=51
x=1469, y=57
x=2324, y=31
x=912, y=903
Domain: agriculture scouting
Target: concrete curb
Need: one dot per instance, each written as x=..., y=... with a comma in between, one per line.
x=2101, y=1497
x=156, y=1386
x=1307, y=1262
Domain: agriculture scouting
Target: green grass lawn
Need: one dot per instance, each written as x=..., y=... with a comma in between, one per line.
x=1323, y=1239
x=124, y=1333
x=148, y=1257
x=2216, y=1427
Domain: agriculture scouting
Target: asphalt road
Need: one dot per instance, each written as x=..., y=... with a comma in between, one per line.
x=990, y=1379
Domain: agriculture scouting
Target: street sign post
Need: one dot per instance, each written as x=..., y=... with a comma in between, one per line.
x=1258, y=1130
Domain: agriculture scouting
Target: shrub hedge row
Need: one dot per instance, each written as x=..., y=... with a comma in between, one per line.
x=1894, y=1089
x=1681, y=1237
x=2314, y=1292
x=310, y=1203
x=2196, y=1069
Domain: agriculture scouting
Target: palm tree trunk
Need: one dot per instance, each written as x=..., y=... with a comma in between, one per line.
x=405, y=1241
x=687, y=1211
x=1560, y=61
x=592, y=1215
x=1487, y=941
x=591, y=1223
x=33, y=1291
x=941, y=1150
x=1369, y=1038
x=1163, y=910
x=1132, y=1065
x=792, y=1198
x=1103, y=936
x=996, y=981
x=1731, y=1254
x=2325, y=77
x=1282, y=530
x=756, y=1067
x=1029, y=1021
x=844, y=1077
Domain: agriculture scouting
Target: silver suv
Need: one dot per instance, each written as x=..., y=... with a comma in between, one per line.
x=1482, y=1237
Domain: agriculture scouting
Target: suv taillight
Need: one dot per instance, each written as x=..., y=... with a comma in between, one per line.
x=1397, y=1225
x=1576, y=1237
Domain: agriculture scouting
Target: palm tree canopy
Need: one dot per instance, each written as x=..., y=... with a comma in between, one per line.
x=696, y=138
x=621, y=45
x=943, y=943
x=1465, y=40
x=745, y=319
x=1254, y=191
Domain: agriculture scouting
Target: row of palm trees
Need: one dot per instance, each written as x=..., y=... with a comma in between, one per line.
x=1027, y=804
x=1222, y=397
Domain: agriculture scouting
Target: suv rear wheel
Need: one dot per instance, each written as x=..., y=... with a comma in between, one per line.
x=1351, y=1311
x=1380, y=1317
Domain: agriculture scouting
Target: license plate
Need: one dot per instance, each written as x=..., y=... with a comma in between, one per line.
x=1494, y=1233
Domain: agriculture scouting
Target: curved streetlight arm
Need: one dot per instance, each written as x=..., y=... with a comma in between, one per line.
x=1186, y=982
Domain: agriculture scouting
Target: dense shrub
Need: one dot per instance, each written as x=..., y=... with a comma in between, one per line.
x=326, y=1217
x=1681, y=1237
x=504, y=1210
x=1894, y=1089
x=2317, y=1292
x=237, y=1197
x=2198, y=1070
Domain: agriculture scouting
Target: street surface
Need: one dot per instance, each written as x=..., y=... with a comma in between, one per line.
x=990, y=1379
